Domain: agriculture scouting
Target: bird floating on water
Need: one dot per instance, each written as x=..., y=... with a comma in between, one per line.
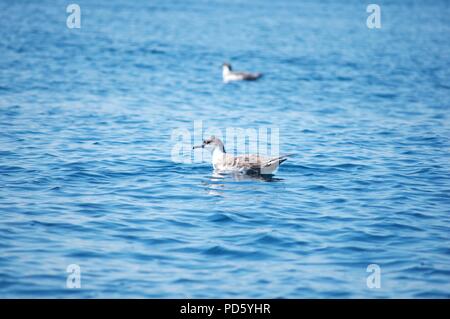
x=229, y=75
x=247, y=164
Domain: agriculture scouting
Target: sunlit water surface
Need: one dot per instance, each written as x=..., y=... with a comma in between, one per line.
x=87, y=176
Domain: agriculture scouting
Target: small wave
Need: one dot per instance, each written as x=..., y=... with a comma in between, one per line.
x=221, y=218
x=224, y=252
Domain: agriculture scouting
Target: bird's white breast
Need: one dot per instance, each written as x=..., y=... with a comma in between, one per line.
x=232, y=77
x=217, y=158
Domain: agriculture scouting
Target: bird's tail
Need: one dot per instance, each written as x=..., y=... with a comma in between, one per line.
x=275, y=160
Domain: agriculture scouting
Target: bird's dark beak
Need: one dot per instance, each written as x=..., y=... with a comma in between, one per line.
x=198, y=146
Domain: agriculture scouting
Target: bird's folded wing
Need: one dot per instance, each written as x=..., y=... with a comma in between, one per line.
x=246, y=161
x=248, y=75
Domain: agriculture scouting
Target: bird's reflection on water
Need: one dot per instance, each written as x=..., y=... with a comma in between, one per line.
x=238, y=177
x=217, y=181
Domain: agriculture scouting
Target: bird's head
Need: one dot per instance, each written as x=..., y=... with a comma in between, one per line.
x=211, y=144
x=226, y=67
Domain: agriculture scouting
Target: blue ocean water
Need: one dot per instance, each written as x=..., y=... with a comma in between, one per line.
x=87, y=178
